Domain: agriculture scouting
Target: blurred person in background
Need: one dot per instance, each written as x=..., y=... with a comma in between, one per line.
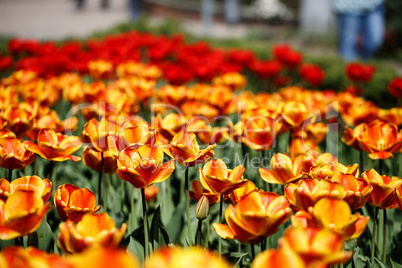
x=361, y=26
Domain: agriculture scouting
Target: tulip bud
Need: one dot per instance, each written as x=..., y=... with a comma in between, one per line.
x=202, y=209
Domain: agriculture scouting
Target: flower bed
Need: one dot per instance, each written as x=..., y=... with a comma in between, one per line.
x=140, y=137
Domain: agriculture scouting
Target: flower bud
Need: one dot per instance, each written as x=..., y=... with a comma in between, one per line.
x=202, y=209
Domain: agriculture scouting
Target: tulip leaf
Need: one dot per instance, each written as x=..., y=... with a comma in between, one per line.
x=154, y=234
x=164, y=234
x=136, y=248
x=395, y=264
x=175, y=226
x=45, y=235
x=380, y=263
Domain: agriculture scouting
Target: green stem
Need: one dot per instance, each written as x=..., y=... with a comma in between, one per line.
x=100, y=181
x=145, y=218
x=244, y=152
x=252, y=251
x=239, y=247
x=262, y=244
x=187, y=205
x=10, y=175
x=199, y=233
x=208, y=241
x=384, y=234
x=373, y=236
x=220, y=221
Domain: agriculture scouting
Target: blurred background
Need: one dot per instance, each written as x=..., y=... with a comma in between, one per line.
x=308, y=25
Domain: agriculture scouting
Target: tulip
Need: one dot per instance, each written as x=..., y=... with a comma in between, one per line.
x=96, y=133
x=358, y=191
x=19, y=257
x=91, y=230
x=54, y=146
x=316, y=246
x=333, y=214
x=73, y=203
x=325, y=171
x=185, y=149
x=143, y=166
x=198, y=192
x=283, y=169
x=284, y=257
x=259, y=133
x=21, y=214
x=101, y=257
x=295, y=113
x=217, y=178
x=27, y=183
x=93, y=160
x=382, y=140
x=18, y=119
x=255, y=217
x=384, y=195
x=241, y=192
x=168, y=126
x=306, y=193
x=14, y=155
x=151, y=192
x=195, y=257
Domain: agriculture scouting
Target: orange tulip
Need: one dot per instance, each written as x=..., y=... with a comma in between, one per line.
x=101, y=257
x=259, y=133
x=382, y=140
x=257, y=216
x=198, y=192
x=168, y=126
x=17, y=118
x=21, y=214
x=314, y=132
x=306, y=193
x=351, y=137
x=28, y=183
x=283, y=169
x=241, y=192
x=172, y=257
x=233, y=80
x=151, y=192
x=325, y=171
x=19, y=257
x=96, y=133
x=316, y=246
x=93, y=160
x=284, y=257
x=173, y=95
x=300, y=146
x=143, y=166
x=204, y=131
x=91, y=230
x=13, y=154
x=357, y=190
x=54, y=146
x=295, y=113
x=73, y=203
x=185, y=149
x=333, y=214
x=384, y=189
x=100, y=69
x=217, y=178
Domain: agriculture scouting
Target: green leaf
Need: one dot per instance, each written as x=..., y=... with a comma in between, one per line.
x=136, y=248
x=176, y=224
x=380, y=263
x=154, y=233
x=164, y=234
x=45, y=235
x=395, y=264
